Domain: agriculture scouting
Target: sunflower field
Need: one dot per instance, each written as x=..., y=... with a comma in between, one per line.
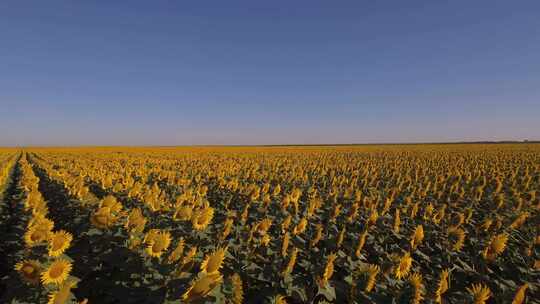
x=453, y=223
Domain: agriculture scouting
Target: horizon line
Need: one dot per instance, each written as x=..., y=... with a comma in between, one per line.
x=290, y=145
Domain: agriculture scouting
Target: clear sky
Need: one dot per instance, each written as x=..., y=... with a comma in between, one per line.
x=268, y=72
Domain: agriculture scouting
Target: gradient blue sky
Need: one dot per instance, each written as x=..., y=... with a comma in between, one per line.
x=268, y=72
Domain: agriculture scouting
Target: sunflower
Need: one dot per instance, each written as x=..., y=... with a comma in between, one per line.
x=480, y=293
x=285, y=244
x=189, y=255
x=404, y=266
x=36, y=235
x=40, y=220
x=102, y=218
x=397, y=221
x=292, y=261
x=59, y=242
x=135, y=221
x=212, y=262
x=415, y=280
x=519, y=298
x=456, y=237
x=227, y=227
x=265, y=240
x=374, y=215
x=202, y=219
x=61, y=296
x=317, y=237
x=202, y=286
x=237, y=290
x=442, y=286
x=520, y=220
x=30, y=270
x=417, y=236
x=57, y=272
x=158, y=244
x=279, y=299
x=150, y=235
x=263, y=226
x=177, y=253
x=183, y=213
x=110, y=201
x=495, y=247
x=301, y=227
x=328, y=269
x=368, y=274
x=286, y=223
x=361, y=243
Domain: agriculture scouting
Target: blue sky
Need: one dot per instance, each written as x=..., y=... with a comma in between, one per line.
x=268, y=72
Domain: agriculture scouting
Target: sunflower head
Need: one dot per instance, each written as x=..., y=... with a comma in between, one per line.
x=415, y=281
x=103, y=218
x=519, y=298
x=57, y=272
x=279, y=299
x=442, y=285
x=301, y=227
x=202, y=286
x=59, y=242
x=39, y=219
x=29, y=270
x=417, y=237
x=329, y=268
x=36, y=235
x=110, y=201
x=237, y=290
x=403, y=266
x=367, y=275
x=479, y=293
x=177, y=253
x=135, y=221
x=62, y=295
x=202, y=219
x=227, y=227
x=495, y=247
x=189, y=255
x=183, y=213
x=456, y=237
x=264, y=225
x=212, y=262
x=158, y=244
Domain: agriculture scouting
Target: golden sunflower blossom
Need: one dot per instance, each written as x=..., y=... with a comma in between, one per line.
x=456, y=238
x=417, y=236
x=495, y=247
x=30, y=270
x=442, y=286
x=177, y=253
x=328, y=269
x=519, y=298
x=62, y=295
x=57, y=272
x=237, y=290
x=36, y=235
x=202, y=286
x=415, y=280
x=59, y=242
x=301, y=227
x=368, y=273
x=479, y=292
x=158, y=244
x=213, y=262
x=403, y=267
x=202, y=218
x=292, y=261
